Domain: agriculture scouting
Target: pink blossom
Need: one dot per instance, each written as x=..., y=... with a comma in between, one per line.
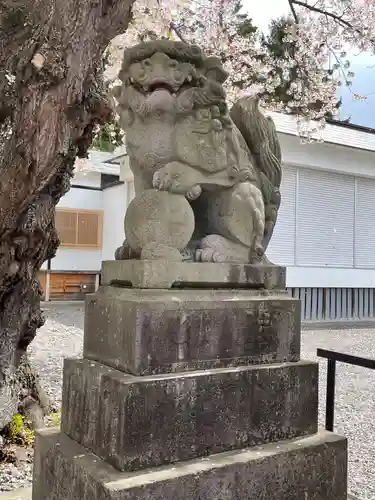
x=320, y=30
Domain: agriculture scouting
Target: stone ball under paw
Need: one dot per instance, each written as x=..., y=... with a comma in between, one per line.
x=156, y=251
x=159, y=217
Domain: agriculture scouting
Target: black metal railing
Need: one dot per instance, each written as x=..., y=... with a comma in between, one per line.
x=333, y=357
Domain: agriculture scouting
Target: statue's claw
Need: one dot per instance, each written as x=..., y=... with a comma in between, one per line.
x=124, y=252
x=163, y=180
x=216, y=248
x=194, y=193
x=177, y=178
x=208, y=255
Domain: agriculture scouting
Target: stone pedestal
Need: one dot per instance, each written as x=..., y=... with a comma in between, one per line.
x=190, y=389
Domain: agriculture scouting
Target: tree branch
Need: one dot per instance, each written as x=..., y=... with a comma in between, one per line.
x=173, y=27
x=321, y=11
x=53, y=60
x=331, y=15
x=293, y=10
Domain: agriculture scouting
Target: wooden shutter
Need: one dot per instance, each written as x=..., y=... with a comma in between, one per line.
x=79, y=228
x=89, y=230
x=66, y=225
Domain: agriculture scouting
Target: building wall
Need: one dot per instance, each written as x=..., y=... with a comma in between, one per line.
x=114, y=205
x=332, y=134
x=71, y=259
x=325, y=233
x=326, y=156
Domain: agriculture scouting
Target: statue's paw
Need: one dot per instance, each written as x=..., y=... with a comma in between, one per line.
x=216, y=248
x=177, y=178
x=194, y=193
x=124, y=252
x=162, y=180
x=208, y=255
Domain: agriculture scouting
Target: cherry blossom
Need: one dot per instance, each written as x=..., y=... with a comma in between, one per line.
x=319, y=32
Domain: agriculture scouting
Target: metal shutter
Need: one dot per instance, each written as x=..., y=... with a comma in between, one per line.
x=365, y=223
x=281, y=249
x=325, y=219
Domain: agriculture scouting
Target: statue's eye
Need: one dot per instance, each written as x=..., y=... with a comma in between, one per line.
x=147, y=63
x=173, y=64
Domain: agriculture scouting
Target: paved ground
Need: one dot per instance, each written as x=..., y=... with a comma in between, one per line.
x=62, y=337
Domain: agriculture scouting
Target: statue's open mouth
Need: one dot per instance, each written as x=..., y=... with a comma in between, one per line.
x=161, y=86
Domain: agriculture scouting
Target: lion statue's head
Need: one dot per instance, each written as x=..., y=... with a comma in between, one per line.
x=169, y=76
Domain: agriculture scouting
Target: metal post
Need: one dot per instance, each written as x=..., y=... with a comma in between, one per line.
x=330, y=398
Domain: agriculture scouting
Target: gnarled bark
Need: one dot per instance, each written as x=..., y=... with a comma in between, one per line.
x=50, y=101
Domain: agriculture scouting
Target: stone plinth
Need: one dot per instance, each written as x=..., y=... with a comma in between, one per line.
x=137, y=422
x=160, y=331
x=311, y=468
x=166, y=274
x=192, y=389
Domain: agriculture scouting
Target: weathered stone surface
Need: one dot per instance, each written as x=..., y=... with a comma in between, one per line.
x=159, y=218
x=136, y=422
x=311, y=468
x=181, y=139
x=165, y=274
x=160, y=331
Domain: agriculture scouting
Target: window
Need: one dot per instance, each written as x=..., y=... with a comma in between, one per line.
x=79, y=228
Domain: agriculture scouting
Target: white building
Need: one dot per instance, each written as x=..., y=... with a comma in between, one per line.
x=89, y=220
x=325, y=233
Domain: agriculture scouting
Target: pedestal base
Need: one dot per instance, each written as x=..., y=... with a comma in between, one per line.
x=140, y=422
x=312, y=468
x=146, y=332
x=166, y=274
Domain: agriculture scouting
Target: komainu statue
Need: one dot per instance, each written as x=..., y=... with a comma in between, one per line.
x=206, y=179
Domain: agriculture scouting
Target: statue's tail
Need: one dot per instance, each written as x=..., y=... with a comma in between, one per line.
x=261, y=138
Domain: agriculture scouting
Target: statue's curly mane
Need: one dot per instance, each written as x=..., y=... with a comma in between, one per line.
x=181, y=51
x=177, y=50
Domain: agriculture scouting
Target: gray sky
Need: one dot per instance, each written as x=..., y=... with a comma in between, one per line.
x=263, y=11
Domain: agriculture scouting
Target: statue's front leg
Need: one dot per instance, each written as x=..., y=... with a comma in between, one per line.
x=179, y=178
x=141, y=184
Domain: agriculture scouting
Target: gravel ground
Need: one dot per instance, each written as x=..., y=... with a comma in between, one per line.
x=355, y=401
x=61, y=337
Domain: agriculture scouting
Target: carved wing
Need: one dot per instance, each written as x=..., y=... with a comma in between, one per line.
x=260, y=135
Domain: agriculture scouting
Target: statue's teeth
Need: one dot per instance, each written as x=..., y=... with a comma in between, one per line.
x=174, y=95
x=131, y=79
x=189, y=78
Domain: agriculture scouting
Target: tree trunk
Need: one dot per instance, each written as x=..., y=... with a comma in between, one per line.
x=50, y=101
